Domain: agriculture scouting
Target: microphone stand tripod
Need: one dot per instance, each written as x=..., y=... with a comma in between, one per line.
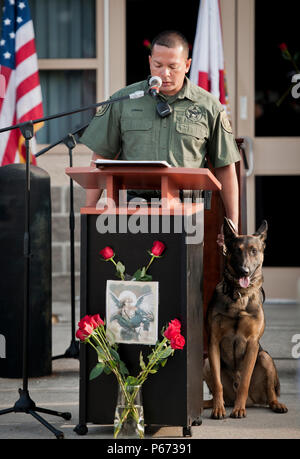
x=73, y=350
x=25, y=404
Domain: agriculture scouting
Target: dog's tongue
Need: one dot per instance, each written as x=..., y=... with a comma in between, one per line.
x=244, y=282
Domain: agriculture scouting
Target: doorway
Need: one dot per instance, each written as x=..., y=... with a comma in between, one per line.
x=144, y=22
x=269, y=116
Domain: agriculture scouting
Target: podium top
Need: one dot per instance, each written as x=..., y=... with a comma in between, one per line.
x=149, y=178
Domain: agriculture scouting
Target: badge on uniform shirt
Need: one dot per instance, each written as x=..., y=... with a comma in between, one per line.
x=225, y=122
x=102, y=110
x=194, y=112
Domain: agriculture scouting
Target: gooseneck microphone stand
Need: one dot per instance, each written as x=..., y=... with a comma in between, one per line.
x=25, y=404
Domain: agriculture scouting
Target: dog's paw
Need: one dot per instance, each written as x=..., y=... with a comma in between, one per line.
x=218, y=412
x=238, y=412
x=278, y=407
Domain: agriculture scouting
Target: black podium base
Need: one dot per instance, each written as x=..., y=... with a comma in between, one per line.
x=174, y=395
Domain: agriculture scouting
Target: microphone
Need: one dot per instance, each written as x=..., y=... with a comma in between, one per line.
x=155, y=83
x=162, y=108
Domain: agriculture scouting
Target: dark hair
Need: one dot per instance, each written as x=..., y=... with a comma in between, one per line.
x=171, y=39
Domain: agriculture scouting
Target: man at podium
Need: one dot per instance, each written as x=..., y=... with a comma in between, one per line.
x=193, y=128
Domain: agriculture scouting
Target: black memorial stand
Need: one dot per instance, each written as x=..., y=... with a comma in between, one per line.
x=173, y=396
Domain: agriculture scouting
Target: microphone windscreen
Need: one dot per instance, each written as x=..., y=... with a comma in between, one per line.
x=155, y=81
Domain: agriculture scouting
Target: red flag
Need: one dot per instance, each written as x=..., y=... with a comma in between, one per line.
x=208, y=70
x=22, y=100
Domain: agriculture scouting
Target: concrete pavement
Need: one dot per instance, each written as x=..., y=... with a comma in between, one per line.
x=60, y=391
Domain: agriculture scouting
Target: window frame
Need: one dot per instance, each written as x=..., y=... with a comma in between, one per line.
x=95, y=64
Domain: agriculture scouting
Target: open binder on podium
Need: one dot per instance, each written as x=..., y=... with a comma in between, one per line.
x=116, y=163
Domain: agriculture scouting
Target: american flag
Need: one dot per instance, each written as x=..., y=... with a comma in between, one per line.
x=18, y=64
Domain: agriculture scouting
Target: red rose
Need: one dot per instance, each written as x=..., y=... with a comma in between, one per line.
x=147, y=43
x=86, y=327
x=80, y=334
x=157, y=248
x=283, y=46
x=176, y=323
x=85, y=320
x=173, y=329
x=107, y=253
x=96, y=321
x=177, y=342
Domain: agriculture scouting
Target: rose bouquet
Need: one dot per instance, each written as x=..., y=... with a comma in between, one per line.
x=92, y=331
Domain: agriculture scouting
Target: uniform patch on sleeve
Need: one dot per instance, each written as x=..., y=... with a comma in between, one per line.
x=102, y=110
x=225, y=122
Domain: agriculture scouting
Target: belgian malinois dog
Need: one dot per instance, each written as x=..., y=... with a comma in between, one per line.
x=238, y=371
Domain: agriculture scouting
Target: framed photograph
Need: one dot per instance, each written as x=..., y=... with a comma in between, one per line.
x=132, y=311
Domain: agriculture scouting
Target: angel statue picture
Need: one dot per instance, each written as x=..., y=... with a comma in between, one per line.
x=132, y=311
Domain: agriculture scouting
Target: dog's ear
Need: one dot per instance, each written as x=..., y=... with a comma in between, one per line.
x=229, y=230
x=262, y=231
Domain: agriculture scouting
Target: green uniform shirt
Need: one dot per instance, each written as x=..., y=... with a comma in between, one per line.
x=198, y=126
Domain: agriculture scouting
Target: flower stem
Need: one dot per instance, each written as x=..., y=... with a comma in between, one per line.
x=279, y=102
x=152, y=361
x=101, y=340
x=149, y=264
x=103, y=344
x=113, y=261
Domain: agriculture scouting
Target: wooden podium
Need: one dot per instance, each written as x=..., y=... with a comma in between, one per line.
x=174, y=395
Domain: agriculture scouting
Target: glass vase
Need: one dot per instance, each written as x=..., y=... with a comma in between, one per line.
x=129, y=414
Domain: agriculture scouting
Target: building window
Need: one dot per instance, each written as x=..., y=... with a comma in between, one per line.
x=172, y=14
x=64, y=28
x=277, y=107
x=65, y=32
x=64, y=90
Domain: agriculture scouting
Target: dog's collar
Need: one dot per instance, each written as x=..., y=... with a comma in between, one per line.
x=231, y=291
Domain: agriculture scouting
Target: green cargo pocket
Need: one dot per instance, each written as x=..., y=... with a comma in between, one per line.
x=189, y=144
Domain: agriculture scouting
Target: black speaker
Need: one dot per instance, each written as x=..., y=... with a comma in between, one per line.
x=12, y=227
